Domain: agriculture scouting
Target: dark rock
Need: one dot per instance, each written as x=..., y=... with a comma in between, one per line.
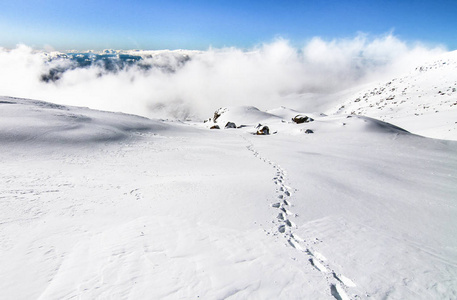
x=263, y=130
x=308, y=131
x=230, y=125
x=302, y=119
x=215, y=127
x=218, y=113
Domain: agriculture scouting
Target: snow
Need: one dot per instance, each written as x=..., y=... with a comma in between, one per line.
x=424, y=101
x=109, y=205
x=243, y=115
x=43, y=122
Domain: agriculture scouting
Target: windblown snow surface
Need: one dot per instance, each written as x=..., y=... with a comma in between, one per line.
x=107, y=205
x=424, y=100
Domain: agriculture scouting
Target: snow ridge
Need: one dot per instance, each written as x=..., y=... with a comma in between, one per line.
x=424, y=101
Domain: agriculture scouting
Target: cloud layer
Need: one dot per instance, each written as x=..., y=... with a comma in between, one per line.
x=193, y=84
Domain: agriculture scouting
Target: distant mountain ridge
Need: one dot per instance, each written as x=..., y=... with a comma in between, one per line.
x=112, y=61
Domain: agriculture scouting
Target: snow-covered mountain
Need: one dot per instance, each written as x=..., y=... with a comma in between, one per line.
x=109, y=205
x=424, y=101
x=112, y=61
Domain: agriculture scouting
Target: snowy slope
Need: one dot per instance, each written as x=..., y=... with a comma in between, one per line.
x=118, y=206
x=42, y=122
x=241, y=115
x=423, y=101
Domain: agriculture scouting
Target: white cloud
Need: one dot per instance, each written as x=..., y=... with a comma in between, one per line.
x=213, y=78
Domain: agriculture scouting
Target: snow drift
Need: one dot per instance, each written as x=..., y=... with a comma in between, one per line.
x=38, y=122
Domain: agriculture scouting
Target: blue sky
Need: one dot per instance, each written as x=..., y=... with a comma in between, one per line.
x=199, y=24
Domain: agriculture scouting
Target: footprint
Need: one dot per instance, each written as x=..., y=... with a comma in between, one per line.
x=319, y=256
x=276, y=205
x=286, y=202
x=344, y=280
x=287, y=193
x=294, y=244
x=290, y=223
x=315, y=263
x=288, y=212
x=281, y=196
x=337, y=291
x=280, y=216
x=296, y=237
x=282, y=228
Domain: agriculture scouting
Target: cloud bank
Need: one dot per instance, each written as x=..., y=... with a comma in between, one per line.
x=170, y=84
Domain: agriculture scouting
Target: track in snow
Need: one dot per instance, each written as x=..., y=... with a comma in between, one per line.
x=338, y=283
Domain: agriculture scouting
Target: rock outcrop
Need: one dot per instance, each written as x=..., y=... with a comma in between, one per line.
x=230, y=125
x=302, y=119
x=263, y=130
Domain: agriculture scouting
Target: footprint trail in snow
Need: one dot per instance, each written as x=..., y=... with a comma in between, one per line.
x=338, y=284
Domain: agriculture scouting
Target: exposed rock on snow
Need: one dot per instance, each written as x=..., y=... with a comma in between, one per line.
x=302, y=119
x=263, y=130
x=230, y=125
x=218, y=113
x=249, y=115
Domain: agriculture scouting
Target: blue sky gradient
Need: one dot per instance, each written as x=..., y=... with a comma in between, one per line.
x=137, y=24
